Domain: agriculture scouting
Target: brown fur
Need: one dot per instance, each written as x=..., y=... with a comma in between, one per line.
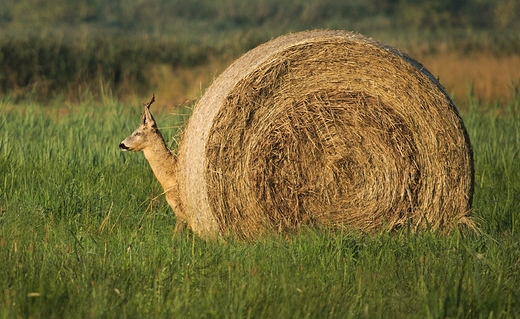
x=148, y=139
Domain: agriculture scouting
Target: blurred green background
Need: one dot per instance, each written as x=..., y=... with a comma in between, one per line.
x=68, y=49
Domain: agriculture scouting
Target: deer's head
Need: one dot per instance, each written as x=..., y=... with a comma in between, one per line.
x=145, y=133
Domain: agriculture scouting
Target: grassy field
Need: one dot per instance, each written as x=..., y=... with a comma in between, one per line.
x=74, y=67
x=85, y=232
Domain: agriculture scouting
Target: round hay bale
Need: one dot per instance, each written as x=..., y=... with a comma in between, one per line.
x=325, y=128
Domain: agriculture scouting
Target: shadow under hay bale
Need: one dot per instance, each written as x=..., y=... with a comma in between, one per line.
x=325, y=128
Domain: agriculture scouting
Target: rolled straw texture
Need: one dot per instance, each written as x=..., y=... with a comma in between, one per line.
x=325, y=128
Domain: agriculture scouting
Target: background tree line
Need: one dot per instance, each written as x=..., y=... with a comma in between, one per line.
x=58, y=48
x=162, y=15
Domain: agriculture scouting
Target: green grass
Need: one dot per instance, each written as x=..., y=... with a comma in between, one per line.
x=84, y=232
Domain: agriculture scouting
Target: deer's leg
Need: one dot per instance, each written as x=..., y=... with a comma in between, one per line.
x=180, y=226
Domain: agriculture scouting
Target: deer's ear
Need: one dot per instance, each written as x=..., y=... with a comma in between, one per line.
x=143, y=118
x=147, y=116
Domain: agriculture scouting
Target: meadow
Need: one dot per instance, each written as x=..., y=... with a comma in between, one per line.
x=86, y=233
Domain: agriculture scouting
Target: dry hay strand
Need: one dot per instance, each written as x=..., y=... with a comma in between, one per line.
x=325, y=128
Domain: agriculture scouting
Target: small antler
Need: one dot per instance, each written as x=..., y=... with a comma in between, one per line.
x=151, y=101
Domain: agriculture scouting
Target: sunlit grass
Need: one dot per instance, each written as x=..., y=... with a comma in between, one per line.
x=490, y=77
x=85, y=232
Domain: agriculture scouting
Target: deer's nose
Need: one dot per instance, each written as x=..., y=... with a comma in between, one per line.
x=123, y=147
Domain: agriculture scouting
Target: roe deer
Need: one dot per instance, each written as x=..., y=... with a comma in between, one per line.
x=148, y=139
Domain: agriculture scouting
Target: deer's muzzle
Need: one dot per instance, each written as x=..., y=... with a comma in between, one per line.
x=123, y=147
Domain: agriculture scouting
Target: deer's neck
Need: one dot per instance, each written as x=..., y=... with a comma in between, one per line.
x=163, y=163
